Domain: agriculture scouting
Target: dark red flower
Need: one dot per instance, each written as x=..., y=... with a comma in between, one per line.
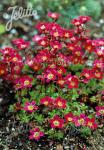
x=61, y=71
x=23, y=82
x=61, y=82
x=90, y=122
x=47, y=101
x=60, y=103
x=56, y=122
x=87, y=73
x=72, y=81
x=55, y=44
x=69, y=117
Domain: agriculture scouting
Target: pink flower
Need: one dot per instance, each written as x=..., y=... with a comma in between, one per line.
x=53, y=15
x=50, y=75
x=84, y=19
x=80, y=120
x=56, y=122
x=36, y=134
x=99, y=110
x=30, y=107
x=23, y=82
x=21, y=43
x=98, y=64
x=36, y=38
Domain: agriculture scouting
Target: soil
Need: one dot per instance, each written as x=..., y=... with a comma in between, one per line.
x=14, y=136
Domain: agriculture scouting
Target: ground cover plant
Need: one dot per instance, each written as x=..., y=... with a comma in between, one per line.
x=60, y=84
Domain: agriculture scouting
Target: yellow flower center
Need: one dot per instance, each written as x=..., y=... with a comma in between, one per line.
x=71, y=48
x=56, y=123
x=44, y=58
x=97, y=74
x=31, y=107
x=36, y=134
x=16, y=68
x=78, y=53
x=90, y=124
x=46, y=103
x=43, y=43
x=60, y=104
x=87, y=75
x=99, y=65
x=27, y=82
x=61, y=82
x=101, y=111
x=89, y=48
x=72, y=83
x=69, y=119
x=55, y=46
x=66, y=35
x=60, y=71
x=56, y=34
x=50, y=76
x=15, y=59
x=81, y=121
x=2, y=71
x=42, y=27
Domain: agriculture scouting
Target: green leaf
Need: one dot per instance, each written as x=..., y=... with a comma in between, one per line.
x=2, y=28
x=39, y=118
x=85, y=131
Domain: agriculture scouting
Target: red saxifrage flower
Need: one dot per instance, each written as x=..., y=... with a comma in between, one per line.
x=90, y=122
x=47, y=101
x=30, y=107
x=23, y=82
x=36, y=134
x=60, y=103
x=99, y=110
x=56, y=122
x=69, y=117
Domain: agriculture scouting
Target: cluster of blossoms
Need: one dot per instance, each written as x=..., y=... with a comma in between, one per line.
x=54, y=103
x=58, y=123
x=30, y=106
x=58, y=49
x=82, y=120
